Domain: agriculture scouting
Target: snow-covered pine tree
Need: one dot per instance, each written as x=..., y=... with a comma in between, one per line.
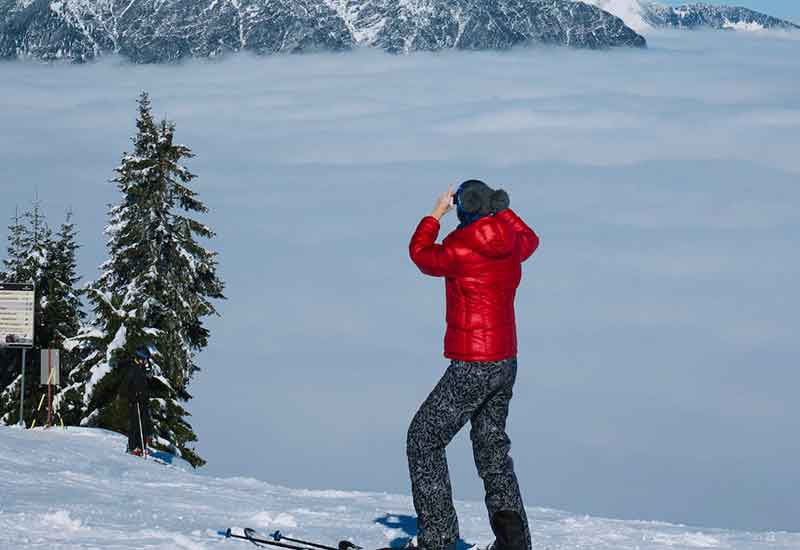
x=10, y=358
x=35, y=243
x=28, y=257
x=15, y=250
x=154, y=290
x=61, y=277
x=63, y=312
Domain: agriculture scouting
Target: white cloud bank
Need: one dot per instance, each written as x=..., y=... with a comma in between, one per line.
x=658, y=354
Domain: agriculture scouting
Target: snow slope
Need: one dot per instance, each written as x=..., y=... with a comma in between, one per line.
x=630, y=11
x=78, y=489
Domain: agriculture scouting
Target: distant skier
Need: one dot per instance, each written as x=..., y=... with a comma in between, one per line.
x=138, y=399
x=481, y=262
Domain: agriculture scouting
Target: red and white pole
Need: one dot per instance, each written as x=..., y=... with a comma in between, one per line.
x=49, y=388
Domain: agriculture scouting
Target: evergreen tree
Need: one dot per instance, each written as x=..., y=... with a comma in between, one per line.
x=10, y=358
x=15, y=250
x=64, y=313
x=36, y=241
x=34, y=255
x=27, y=262
x=61, y=278
x=154, y=289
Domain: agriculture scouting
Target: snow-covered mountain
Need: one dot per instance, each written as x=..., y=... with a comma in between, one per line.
x=633, y=12
x=166, y=30
x=716, y=17
x=476, y=24
x=644, y=14
x=163, y=30
x=77, y=489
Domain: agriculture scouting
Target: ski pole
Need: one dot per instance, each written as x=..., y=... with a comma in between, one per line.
x=41, y=402
x=37, y=410
x=141, y=433
x=343, y=545
x=249, y=535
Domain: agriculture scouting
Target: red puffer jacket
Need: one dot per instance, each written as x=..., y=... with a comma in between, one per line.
x=481, y=264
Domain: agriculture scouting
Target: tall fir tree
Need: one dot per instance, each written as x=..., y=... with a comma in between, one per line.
x=154, y=290
x=61, y=277
x=64, y=311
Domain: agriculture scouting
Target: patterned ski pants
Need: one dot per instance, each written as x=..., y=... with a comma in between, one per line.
x=478, y=392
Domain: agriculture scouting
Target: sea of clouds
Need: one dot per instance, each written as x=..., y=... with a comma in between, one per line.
x=657, y=323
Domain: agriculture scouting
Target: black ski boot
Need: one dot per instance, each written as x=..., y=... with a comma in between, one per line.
x=509, y=531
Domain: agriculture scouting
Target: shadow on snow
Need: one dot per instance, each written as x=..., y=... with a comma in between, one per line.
x=408, y=525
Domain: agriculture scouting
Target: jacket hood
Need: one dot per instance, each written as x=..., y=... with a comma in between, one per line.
x=488, y=236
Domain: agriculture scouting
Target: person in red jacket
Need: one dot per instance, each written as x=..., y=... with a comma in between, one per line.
x=481, y=262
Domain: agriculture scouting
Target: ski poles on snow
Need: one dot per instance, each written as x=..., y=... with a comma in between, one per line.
x=343, y=545
x=250, y=535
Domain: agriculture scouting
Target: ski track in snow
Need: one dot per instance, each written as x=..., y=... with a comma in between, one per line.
x=78, y=489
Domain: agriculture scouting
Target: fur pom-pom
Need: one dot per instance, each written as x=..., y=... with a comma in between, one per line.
x=499, y=200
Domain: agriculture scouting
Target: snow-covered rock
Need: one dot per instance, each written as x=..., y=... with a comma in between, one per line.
x=692, y=16
x=166, y=30
x=148, y=31
x=632, y=12
x=642, y=15
x=78, y=489
x=476, y=24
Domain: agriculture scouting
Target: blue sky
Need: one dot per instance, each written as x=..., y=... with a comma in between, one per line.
x=657, y=322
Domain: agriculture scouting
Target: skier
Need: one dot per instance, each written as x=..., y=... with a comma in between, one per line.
x=138, y=399
x=481, y=262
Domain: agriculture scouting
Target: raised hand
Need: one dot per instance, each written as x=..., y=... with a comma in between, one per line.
x=444, y=203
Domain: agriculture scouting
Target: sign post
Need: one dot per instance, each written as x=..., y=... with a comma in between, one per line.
x=22, y=392
x=16, y=325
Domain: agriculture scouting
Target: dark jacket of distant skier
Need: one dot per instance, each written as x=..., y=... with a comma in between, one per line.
x=139, y=425
x=481, y=263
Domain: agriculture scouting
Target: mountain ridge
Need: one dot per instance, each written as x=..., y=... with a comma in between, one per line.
x=148, y=31
x=157, y=31
x=642, y=15
x=690, y=16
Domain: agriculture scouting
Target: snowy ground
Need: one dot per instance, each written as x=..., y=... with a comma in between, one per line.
x=77, y=489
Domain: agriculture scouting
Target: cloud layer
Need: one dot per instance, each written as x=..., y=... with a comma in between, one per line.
x=657, y=322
